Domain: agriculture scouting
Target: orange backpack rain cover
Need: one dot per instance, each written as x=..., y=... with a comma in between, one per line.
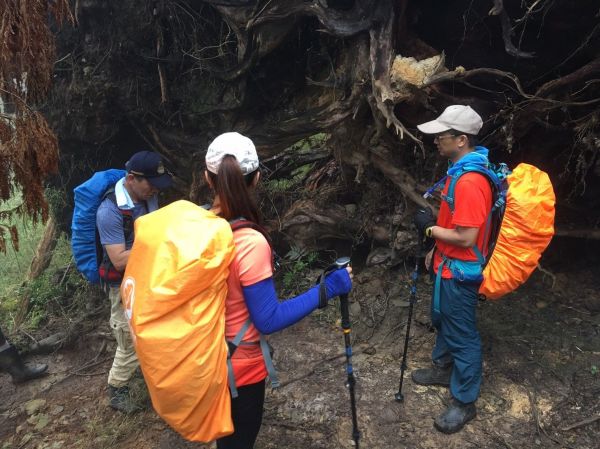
x=526, y=231
x=174, y=291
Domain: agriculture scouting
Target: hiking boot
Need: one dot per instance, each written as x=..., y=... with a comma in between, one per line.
x=455, y=417
x=12, y=363
x=432, y=376
x=120, y=399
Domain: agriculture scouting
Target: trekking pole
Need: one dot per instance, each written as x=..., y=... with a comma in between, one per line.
x=413, y=299
x=343, y=262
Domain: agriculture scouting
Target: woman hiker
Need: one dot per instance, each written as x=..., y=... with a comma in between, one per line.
x=232, y=172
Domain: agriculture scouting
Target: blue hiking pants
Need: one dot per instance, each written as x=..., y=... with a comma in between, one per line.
x=457, y=341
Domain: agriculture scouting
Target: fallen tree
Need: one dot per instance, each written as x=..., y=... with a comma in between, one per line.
x=171, y=74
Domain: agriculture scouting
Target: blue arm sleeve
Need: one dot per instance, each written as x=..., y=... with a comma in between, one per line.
x=269, y=315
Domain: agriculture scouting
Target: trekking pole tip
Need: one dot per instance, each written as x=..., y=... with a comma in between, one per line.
x=399, y=397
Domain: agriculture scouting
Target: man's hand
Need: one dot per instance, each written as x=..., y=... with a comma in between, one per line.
x=428, y=257
x=424, y=219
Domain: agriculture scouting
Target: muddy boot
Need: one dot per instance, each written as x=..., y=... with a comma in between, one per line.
x=11, y=362
x=455, y=417
x=433, y=376
x=120, y=399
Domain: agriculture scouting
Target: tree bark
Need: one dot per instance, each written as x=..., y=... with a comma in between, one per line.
x=43, y=254
x=41, y=260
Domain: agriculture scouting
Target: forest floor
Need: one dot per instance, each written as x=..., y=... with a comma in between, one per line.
x=541, y=383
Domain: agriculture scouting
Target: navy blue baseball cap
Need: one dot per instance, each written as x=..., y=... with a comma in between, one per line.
x=150, y=165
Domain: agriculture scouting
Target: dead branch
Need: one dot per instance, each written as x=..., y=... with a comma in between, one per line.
x=459, y=73
x=581, y=233
x=583, y=422
x=343, y=24
x=534, y=411
x=319, y=365
x=584, y=72
x=382, y=160
x=380, y=57
x=548, y=273
x=44, y=251
x=507, y=31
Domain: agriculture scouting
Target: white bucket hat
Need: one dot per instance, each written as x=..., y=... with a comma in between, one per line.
x=233, y=144
x=458, y=117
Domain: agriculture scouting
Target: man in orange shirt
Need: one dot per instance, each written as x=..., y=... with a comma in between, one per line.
x=460, y=235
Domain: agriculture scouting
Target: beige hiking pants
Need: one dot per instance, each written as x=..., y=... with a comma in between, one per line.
x=125, y=361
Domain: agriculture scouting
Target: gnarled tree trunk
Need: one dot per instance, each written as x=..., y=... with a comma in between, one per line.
x=172, y=74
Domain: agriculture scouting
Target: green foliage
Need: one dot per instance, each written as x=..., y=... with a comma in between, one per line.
x=594, y=370
x=309, y=143
x=278, y=186
x=47, y=292
x=56, y=199
x=286, y=185
x=296, y=264
x=302, y=171
x=15, y=262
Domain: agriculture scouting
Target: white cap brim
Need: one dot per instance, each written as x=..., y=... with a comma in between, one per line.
x=433, y=127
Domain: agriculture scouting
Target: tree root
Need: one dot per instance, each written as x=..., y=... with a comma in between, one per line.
x=583, y=422
x=548, y=273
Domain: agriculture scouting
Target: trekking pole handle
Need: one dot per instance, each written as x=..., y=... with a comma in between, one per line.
x=340, y=263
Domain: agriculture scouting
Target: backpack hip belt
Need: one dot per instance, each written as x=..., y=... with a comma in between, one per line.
x=467, y=271
x=232, y=345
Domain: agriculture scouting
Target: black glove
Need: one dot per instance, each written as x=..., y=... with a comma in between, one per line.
x=424, y=219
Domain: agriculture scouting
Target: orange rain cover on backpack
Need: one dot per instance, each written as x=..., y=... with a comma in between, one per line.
x=174, y=291
x=526, y=231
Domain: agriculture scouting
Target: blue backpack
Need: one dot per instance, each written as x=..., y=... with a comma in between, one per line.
x=84, y=240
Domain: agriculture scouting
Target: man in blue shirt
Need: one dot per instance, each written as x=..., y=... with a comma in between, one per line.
x=133, y=196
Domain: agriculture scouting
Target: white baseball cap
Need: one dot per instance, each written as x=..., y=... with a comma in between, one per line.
x=458, y=117
x=233, y=144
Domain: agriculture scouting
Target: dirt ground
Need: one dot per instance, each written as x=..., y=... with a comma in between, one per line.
x=541, y=377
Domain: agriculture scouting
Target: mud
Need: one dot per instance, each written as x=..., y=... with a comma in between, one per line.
x=541, y=359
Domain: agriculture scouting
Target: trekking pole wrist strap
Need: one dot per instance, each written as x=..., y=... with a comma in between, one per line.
x=323, y=300
x=322, y=293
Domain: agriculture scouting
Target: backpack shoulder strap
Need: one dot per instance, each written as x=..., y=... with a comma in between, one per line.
x=236, y=224
x=106, y=268
x=241, y=223
x=449, y=198
x=125, y=213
